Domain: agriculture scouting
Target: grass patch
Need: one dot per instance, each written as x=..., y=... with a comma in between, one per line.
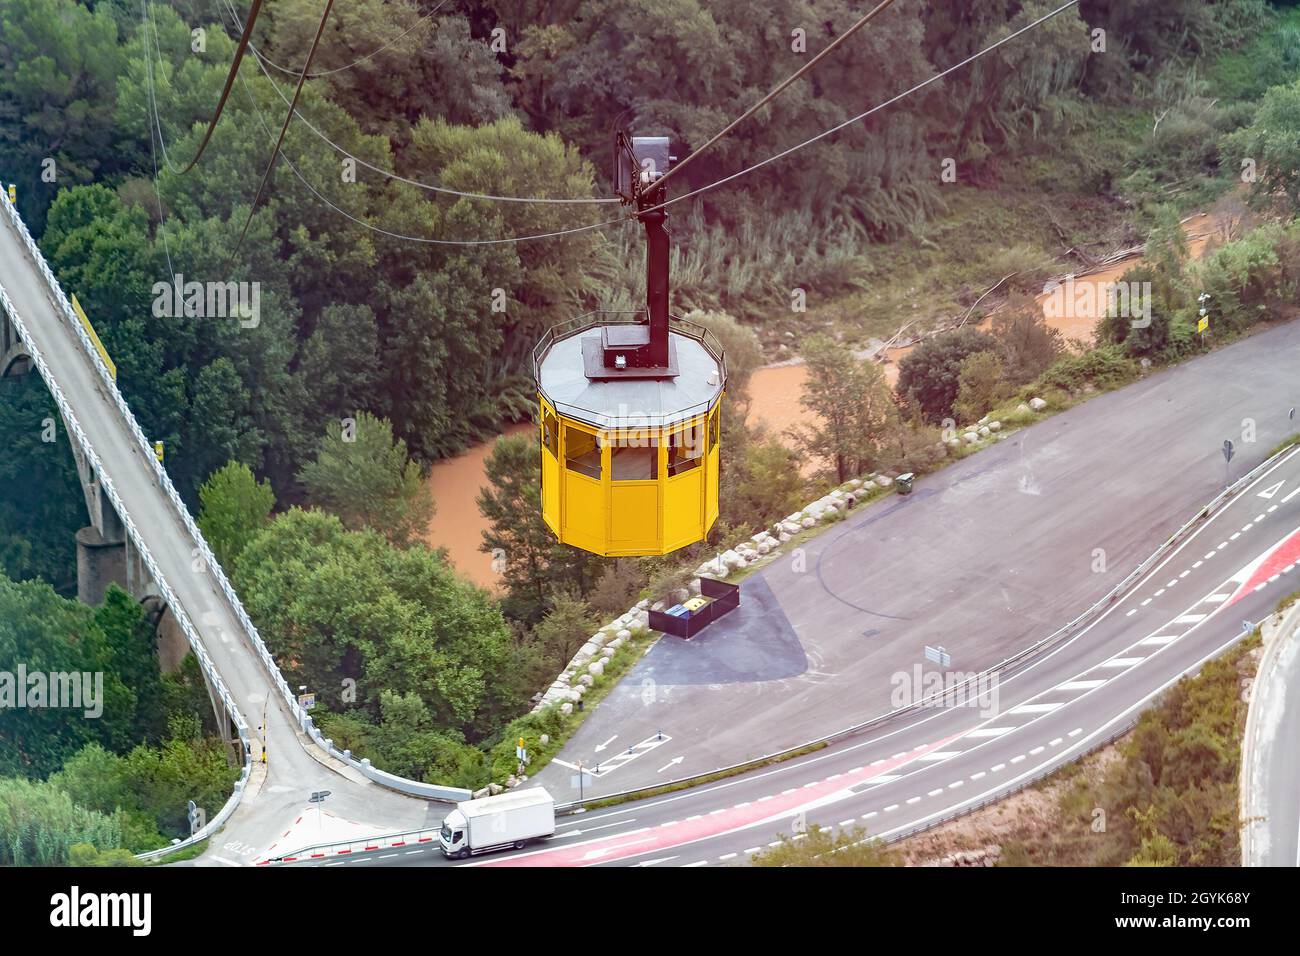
x=192, y=852
x=558, y=727
x=1285, y=443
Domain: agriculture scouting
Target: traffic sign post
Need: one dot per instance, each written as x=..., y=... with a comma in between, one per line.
x=318, y=798
x=938, y=656
x=1227, y=461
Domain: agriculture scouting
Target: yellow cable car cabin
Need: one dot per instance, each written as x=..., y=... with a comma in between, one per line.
x=629, y=464
x=629, y=403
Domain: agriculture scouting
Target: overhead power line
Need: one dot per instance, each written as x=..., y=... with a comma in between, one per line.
x=861, y=116
x=244, y=41
x=373, y=53
x=275, y=153
x=261, y=60
x=834, y=45
x=703, y=189
x=334, y=207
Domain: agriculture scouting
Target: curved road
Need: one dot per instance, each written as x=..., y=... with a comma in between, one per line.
x=986, y=557
x=934, y=764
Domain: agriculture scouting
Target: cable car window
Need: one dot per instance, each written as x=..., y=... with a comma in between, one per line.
x=713, y=429
x=634, y=458
x=550, y=438
x=685, y=449
x=582, y=452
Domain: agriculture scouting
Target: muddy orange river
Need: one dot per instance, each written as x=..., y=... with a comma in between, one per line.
x=774, y=404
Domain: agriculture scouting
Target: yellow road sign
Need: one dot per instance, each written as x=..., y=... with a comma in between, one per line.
x=1203, y=325
x=94, y=338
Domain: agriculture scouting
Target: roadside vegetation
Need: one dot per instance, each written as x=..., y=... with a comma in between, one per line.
x=1164, y=794
x=1172, y=798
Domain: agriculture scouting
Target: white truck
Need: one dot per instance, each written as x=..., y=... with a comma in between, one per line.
x=509, y=819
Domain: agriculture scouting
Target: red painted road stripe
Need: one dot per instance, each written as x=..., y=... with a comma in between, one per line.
x=713, y=824
x=1284, y=554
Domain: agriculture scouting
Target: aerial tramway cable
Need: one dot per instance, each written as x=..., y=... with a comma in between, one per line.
x=275, y=153
x=262, y=62
x=696, y=192
x=244, y=41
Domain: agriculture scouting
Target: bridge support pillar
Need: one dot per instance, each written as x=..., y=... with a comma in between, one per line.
x=100, y=562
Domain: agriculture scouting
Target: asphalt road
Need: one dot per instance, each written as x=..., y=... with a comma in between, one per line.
x=987, y=556
x=938, y=762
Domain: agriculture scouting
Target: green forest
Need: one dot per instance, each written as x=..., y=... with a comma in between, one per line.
x=395, y=327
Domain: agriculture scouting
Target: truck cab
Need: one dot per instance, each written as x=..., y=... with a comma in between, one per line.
x=454, y=836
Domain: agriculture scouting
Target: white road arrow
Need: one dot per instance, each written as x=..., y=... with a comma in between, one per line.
x=1270, y=491
x=600, y=747
x=675, y=760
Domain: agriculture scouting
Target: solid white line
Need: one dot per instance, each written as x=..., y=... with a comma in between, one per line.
x=1159, y=639
x=1291, y=495
x=1079, y=685
x=938, y=755
x=989, y=731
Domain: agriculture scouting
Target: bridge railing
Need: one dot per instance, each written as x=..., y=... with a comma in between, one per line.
x=300, y=716
x=187, y=626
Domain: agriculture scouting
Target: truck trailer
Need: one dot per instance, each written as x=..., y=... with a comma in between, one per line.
x=510, y=819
